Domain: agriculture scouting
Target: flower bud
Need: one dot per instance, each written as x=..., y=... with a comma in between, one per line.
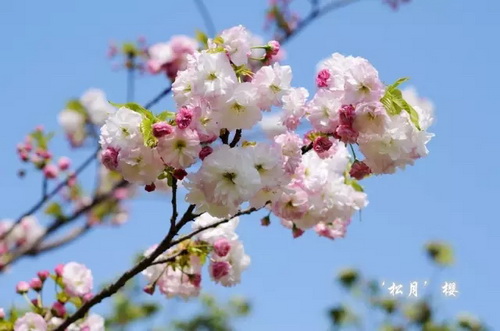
x=2, y=314
x=347, y=134
x=59, y=270
x=50, y=171
x=347, y=113
x=322, y=78
x=219, y=269
x=22, y=287
x=64, y=163
x=296, y=232
x=36, y=284
x=322, y=144
x=43, y=274
x=195, y=279
x=161, y=129
x=274, y=47
x=265, y=221
x=149, y=289
x=205, y=151
x=184, y=117
x=150, y=187
x=109, y=158
x=359, y=170
x=179, y=174
x=58, y=309
x=222, y=247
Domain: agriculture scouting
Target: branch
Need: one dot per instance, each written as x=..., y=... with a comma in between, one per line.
x=56, y=243
x=32, y=249
x=315, y=13
x=144, y=263
x=205, y=14
x=51, y=194
x=160, y=96
x=236, y=138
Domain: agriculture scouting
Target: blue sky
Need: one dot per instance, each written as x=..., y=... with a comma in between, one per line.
x=53, y=51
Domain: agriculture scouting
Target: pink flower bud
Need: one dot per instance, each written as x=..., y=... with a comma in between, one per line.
x=322, y=144
x=179, y=174
x=183, y=117
x=219, y=269
x=347, y=113
x=58, y=309
x=149, y=289
x=359, y=170
x=195, y=279
x=64, y=163
x=205, y=151
x=35, y=302
x=162, y=129
x=109, y=158
x=222, y=247
x=59, y=270
x=22, y=287
x=50, y=171
x=274, y=47
x=43, y=274
x=2, y=314
x=347, y=134
x=265, y=221
x=24, y=156
x=150, y=187
x=322, y=78
x=36, y=284
x=296, y=232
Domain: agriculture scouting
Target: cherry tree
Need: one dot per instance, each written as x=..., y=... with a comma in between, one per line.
x=305, y=170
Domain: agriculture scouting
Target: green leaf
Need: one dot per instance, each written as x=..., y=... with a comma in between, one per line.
x=41, y=139
x=394, y=102
x=440, y=252
x=202, y=38
x=164, y=115
x=54, y=209
x=135, y=107
x=75, y=105
x=147, y=132
x=218, y=40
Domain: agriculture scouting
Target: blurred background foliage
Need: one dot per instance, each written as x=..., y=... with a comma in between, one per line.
x=366, y=305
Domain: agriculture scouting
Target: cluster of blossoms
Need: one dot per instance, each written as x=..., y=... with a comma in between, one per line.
x=74, y=284
x=81, y=115
x=34, y=149
x=23, y=235
x=181, y=275
x=355, y=107
x=170, y=57
x=309, y=181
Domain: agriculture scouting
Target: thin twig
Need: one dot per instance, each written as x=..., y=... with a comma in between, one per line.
x=51, y=194
x=165, y=244
x=236, y=138
x=56, y=243
x=173, y=219
x=157, y=99
x=58, y=223
x=207, y=18
x=315, y=14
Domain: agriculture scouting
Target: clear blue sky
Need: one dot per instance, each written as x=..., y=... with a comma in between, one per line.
x=52, y=51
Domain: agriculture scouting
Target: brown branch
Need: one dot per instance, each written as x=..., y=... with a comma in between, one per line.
x=157, y=99
x=56, y=243
x=316, y=13
x=236, y=138
x=145, y=263
x=51, y=194
x=58, y=223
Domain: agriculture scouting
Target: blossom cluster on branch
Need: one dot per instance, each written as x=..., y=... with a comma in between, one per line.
x=306, y=172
